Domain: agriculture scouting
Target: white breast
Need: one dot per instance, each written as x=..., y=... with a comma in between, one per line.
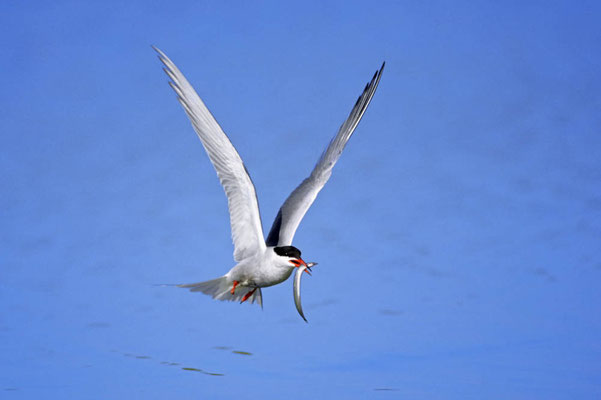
x=261, y=270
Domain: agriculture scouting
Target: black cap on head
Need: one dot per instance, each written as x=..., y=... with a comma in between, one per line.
x=287, y=251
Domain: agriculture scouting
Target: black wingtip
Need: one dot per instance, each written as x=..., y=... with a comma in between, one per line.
x=376, y=74
x=379, y=72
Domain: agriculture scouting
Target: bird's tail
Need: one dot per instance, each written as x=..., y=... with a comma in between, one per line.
x=220, y=289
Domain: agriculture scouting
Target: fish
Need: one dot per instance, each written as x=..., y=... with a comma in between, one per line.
x=296, y=287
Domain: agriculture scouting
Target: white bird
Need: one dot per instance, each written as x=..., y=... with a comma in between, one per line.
x=260, y=263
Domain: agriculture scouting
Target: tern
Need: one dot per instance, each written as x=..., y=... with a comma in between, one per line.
x=260, y=262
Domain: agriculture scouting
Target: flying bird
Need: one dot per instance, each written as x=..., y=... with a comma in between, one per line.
x=260, y=262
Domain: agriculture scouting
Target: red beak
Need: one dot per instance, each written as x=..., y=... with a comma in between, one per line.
x=298, y=262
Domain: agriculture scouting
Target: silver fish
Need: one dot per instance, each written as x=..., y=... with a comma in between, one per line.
x=296, y=288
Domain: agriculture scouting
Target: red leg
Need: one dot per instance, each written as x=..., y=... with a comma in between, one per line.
x=234, y=287
x=247, y=295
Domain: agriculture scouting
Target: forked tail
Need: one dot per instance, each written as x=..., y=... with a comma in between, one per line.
x=220, y=289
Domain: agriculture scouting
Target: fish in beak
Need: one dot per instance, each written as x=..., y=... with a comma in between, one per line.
x=300, y=263
x=296, y=288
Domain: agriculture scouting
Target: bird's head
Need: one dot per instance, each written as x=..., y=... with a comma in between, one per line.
x=290, y=255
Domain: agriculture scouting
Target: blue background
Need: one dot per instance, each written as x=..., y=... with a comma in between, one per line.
x=457, y=241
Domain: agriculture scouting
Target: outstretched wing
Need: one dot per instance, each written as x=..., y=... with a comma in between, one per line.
x=245, y=220
x=296, y=205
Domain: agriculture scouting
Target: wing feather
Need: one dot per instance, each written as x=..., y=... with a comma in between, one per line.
x=296, y=205
x=245, y=219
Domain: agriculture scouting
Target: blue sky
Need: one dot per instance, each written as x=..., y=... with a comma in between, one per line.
x=457, y=239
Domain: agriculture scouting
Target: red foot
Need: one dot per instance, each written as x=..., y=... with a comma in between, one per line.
x=234, y=287
x=247, y=295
